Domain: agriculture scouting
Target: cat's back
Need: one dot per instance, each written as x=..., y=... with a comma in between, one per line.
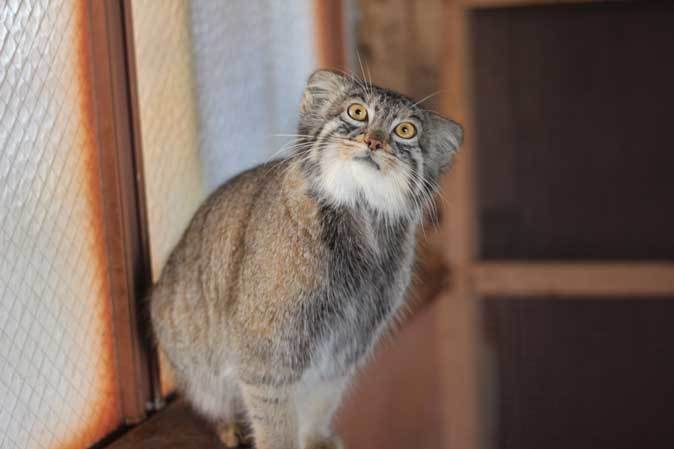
x=205, y=264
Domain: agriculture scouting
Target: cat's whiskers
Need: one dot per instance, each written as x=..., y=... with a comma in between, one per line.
x=423, y=196
x=426, y=195
x=309, y=136
x=355, y=79
x=292, y=153
x=288, y=145
x=429, y=198
x=301, y=154
x=368, y=81
x=419, y=207
x=429, y=96
x=432, y=187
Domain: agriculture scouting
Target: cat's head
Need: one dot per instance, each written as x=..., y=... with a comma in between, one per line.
x=362, y=144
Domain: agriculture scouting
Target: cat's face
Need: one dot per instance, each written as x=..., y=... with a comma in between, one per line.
x=366, y=145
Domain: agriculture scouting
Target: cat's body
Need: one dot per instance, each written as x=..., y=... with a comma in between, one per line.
x=280, y=287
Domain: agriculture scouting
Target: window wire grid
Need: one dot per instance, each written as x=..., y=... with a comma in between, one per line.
x=168, y=121
x=57, y=372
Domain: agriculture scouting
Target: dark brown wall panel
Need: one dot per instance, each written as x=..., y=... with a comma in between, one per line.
x=575, y=144
x=575, y=373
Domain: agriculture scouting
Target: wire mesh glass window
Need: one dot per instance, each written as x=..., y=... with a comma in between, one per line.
x=57, y=367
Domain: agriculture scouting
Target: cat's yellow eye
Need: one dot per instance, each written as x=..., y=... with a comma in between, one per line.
x=357, y=111
x=406, y=130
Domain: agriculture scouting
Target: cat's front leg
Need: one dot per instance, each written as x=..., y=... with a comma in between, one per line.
x=272, y=416
x=317, y=400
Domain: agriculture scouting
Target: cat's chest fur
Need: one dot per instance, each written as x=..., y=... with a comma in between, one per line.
x=306, y=287
x=367, y=269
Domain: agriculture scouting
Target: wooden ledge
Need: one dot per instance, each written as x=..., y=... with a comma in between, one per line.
x=581, y=280
x=174, y=427
x=525, y=3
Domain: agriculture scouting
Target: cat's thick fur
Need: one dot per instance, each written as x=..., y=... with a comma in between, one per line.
x=289, y=272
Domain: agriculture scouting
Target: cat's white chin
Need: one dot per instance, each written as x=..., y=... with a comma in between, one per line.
x=345, y=181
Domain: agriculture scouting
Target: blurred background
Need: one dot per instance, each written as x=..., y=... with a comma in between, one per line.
x=542, y=315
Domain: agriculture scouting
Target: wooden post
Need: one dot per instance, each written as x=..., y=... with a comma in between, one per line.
x=329, y=34
x=125, y=232
x=459, y=324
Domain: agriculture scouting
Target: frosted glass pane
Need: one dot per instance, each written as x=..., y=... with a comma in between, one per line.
x=57, y=370
x=168, y=121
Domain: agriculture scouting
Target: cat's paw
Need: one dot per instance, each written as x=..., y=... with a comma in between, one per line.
x=325, y=443
x=235, y=435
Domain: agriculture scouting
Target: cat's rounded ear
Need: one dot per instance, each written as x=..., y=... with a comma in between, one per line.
x=445, y=138
x=322, y=86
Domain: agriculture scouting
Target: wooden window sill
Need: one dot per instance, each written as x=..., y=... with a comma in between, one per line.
x=174, y=427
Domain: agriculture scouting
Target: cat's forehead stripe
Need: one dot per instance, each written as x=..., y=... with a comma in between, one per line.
x=387, y=107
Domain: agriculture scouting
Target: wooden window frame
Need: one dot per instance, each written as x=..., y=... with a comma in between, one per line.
x=125, y=217
x=473, y=279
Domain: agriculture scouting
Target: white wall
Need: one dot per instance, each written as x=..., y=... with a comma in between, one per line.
x=251, y=60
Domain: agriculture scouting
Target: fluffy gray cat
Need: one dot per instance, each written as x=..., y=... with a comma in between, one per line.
x=289, y=272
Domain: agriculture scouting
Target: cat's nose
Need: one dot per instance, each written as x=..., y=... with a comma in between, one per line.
x=374, y=141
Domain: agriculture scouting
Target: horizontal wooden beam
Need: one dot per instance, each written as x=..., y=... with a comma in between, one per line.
x=561, y=279
x=516, y=3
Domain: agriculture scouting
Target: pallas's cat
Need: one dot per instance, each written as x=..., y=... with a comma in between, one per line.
x=289, y=272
